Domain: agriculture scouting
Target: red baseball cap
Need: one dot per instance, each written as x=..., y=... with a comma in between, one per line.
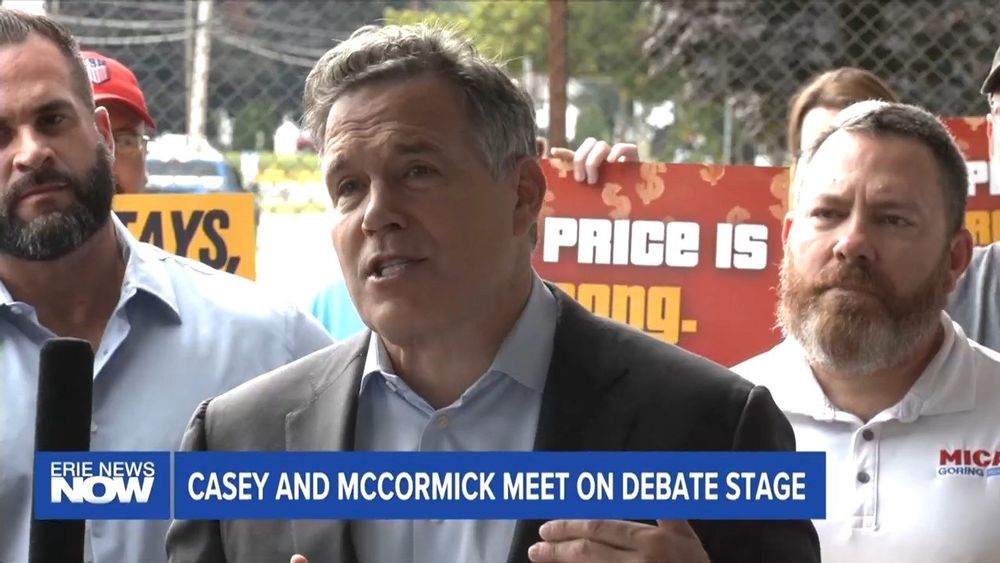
x=112, y=80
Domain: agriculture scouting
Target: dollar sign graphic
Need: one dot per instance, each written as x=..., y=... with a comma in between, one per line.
x=974, y=122
x=737, y=215
x=712, y=173
x=652, y=186
x=621, y=204
x=561, y=166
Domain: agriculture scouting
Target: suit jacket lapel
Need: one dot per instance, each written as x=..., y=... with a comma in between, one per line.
x=326, y=423
x=580, y=410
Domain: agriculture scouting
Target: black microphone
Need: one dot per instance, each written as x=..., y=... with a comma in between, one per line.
x=62, y=424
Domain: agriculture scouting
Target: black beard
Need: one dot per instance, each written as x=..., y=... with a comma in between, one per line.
x=59, y=233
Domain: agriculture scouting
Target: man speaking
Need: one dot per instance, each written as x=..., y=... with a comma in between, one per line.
x=428, y=152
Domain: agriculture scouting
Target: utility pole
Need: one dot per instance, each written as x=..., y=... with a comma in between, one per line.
x=558, y=72
x=198, y=98
x=190, y=10
x=36, y=7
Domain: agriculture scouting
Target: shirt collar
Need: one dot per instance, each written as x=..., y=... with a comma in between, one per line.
x=946, y=385
x=376, y=361
x=795, y=388
x=524, y=355
x=6, y=300
x=144, y=270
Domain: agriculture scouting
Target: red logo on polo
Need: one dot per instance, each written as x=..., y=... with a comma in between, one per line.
x=976, y=458
x=983, y=463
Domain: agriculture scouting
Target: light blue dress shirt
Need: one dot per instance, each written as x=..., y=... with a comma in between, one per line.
x=499, y=412
x=182, y=332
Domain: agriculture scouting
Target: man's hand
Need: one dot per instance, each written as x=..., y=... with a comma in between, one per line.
x=588, y=158
x=578, y=541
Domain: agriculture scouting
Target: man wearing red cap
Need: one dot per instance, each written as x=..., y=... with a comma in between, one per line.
x=117, y=90
x=166, y=331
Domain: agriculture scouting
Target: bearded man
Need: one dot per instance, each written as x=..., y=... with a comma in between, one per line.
x=166, y=331
x=872, y=370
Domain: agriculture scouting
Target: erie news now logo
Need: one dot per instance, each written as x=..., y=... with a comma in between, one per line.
x=102, y=485
x=113, y=481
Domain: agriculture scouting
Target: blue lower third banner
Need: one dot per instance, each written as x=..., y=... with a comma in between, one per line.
x=102, y=485
x=422, y=485
x=499, y=485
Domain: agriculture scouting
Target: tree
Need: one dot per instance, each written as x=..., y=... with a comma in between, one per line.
x=605, y=40
x=261, y=51
x=510, y=32
x=257, y=119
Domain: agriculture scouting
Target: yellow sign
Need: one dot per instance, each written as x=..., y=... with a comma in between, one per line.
x=215, y=229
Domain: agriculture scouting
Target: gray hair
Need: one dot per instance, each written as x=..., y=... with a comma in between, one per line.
x=501, y=112
x=912, y=122
x=17, y=26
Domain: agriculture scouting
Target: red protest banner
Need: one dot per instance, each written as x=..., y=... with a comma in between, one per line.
x=983, y=212
x=687, y=253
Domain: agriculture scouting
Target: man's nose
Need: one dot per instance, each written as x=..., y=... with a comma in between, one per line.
x=32, y=150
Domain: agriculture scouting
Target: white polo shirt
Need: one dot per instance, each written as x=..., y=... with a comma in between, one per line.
x=920, y=482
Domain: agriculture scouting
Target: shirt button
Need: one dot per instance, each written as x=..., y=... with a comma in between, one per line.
x=863, y=477
x=868, y=435
x=442, y=421
x=93, y=427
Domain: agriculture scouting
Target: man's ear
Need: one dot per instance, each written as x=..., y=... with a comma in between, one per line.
x=989, y=137
x=530, y=188
x=103, y=122
x=960, y=255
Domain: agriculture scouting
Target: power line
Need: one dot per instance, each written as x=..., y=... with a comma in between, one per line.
x=298, y=31
x=133, y=39
x=120, y=24
x=282, y=48
x=169, y=7
x=263, y=51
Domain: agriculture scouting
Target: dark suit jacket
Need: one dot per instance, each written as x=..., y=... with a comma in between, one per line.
x=609, y=387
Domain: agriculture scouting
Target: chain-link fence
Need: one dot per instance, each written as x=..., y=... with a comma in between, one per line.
x=257, y=58
x=692, y=80
x=748, y=56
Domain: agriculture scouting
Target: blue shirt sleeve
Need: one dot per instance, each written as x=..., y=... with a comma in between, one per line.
x=334, y=309
x=304, y=335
